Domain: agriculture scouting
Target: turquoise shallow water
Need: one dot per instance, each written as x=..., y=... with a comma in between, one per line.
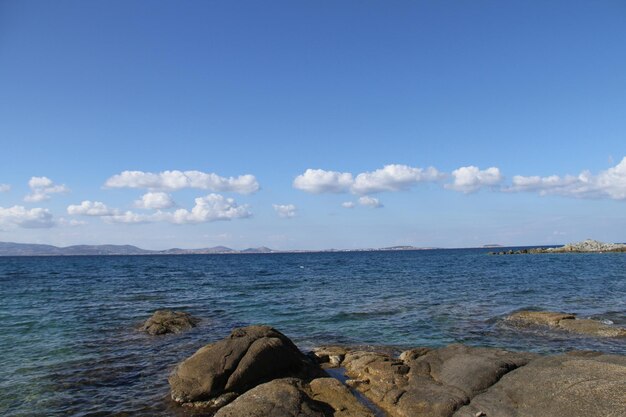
x=70, y=344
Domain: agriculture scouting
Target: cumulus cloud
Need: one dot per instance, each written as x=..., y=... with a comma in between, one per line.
x=110, y=215
x=42, y=188
x=90, y=208
x=155, y=200
x=393, y=177
x=285, y=210
x=177, y=180
x=35, y=218
x=471, y=178
x=370, y=202
x=348, y=204
x=211, y=208
x=319, y=181
x=4, y=188
x=610, y=183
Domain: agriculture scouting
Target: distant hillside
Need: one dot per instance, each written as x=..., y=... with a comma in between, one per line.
x=30, y=249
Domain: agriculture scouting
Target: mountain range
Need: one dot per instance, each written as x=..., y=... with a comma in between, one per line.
x=32, y=249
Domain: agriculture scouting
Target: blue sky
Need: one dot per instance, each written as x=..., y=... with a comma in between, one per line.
x=519, y=107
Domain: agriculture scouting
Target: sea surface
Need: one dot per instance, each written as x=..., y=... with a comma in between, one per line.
x=70, y=344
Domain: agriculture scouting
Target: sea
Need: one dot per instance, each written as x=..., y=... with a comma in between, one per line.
x=70, y=343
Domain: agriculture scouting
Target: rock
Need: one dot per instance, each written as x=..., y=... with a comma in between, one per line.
x=278, y=398
x=248, y=357
x=168, y=321
x=566, y=322
x=330, y=356
x=332, y=392
x=291, y=397
x=429, y=382
x=582, y=385
x=586, y=246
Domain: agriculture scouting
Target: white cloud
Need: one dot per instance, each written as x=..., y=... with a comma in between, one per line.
x=155, y=200
x=370, y=202
x=41, y=189
x=393, y=177
x=348, y=204
x=110, y=215
x=318, y=181
x=207, y=209
x=470, y=179
x=285, y=210
x=610, y=183
x=90, y=208
x=71, y=222
x=128, y=217
x=34, y=218
x=177, y=180
x=213, y=207
x=4, y=188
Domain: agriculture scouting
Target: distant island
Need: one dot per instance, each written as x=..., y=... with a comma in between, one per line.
x=586, y=246
x=31, y=249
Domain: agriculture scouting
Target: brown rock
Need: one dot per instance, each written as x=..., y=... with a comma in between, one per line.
x=248, y=357
x=429, y=383
x=332, y=392
x=291, y=397
x=575, y=385
x=278, y=398
x=168, y=321
x=566, y=322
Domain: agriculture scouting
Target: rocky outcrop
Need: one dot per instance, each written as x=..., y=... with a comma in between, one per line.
x=248, y=357
x=579, y=384
x=565, y=322
x=428, y=382
x=291, y=397
x=168, y=321
x=586, y=246
x=257, y=371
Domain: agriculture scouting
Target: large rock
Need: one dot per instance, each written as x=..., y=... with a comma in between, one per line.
x=168, y=321
x=575, y=385
x=248, y=357
x=427, y=382
x=290, y=397
x=565, y=322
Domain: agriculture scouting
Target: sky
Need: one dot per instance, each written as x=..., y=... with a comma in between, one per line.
x=312, y=124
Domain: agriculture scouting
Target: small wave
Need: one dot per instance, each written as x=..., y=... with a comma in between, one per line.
x=363, y=315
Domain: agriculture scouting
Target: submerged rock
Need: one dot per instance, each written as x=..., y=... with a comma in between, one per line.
x=248, y=357
x=168, y=321
x=565, y=322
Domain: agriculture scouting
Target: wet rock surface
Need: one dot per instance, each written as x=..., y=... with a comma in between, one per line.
x=565, y=322
x=168, y=321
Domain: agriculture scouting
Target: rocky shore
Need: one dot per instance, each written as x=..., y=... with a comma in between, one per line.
x=586, y=246
x=257, y=371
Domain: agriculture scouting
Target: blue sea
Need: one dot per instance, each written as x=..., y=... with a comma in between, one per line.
x=70, y=344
